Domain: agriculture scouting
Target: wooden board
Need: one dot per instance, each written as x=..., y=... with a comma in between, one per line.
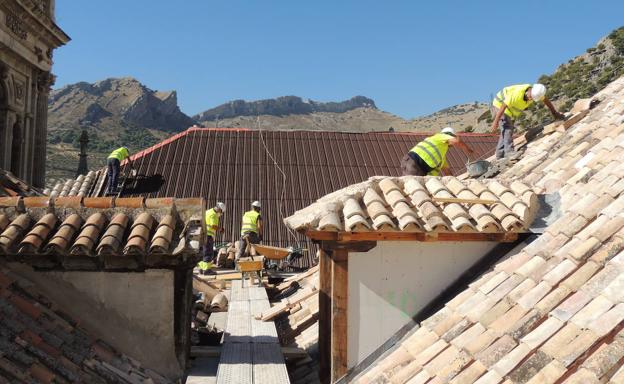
x=464, y=201
x=249, y=266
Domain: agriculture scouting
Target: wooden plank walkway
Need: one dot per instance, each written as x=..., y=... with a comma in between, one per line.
x=251, y=353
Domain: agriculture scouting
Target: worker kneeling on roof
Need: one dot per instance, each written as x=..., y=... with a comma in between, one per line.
x=251, y=230
x=510, y=102
x=213, y=216
x=429, y=156
x=114, y=164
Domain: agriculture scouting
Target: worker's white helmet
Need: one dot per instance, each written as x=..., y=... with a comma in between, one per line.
x=538, y=91
x=221, y=206
x=256, y=204
x=448, y=131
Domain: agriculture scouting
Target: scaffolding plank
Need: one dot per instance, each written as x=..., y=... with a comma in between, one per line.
x=239, y=293
x=268, y=364
x=238, y=328
x=235, y=365
x=257, y=293
x=261, y=331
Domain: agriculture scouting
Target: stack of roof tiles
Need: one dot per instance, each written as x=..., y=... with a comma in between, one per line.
x=81, y=186
x=296, y=319
x=411, y=204
x=40, y=344
x=554, y=312
x=95, y=233
x=12, y=186
x=285, y=170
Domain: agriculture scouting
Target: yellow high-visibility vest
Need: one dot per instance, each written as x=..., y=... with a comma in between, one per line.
x=513, y=97
x=433, y=151
x=250, y=222
x=212, y=220
x=120, y=154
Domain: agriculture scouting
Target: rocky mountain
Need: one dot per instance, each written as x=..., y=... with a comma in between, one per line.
x=115, y=103
x=464, y=117
x=281, y=106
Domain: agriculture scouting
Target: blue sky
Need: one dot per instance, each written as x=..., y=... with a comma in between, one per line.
x=411, y=57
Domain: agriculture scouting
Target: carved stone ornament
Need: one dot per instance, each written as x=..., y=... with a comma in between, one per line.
x=16, y=25
x=45, y=80
x=19, y=91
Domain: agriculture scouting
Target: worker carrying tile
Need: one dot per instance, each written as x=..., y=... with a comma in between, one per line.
x=251, y=229
x=509, y=104
x=213, y=216
x=429, y=156
x=114, y=165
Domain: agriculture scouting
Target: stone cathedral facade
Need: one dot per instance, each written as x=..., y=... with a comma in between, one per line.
x=28, y=37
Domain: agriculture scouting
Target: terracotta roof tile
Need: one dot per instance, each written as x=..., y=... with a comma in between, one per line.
x=407, y=203
x=76, y=237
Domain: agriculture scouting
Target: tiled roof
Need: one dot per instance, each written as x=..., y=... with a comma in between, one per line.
x=41, y=344
x=238, y=166
x=81, y=186
x=95, y=233
x=12, y=186
x=554, y=312
x=417, y=204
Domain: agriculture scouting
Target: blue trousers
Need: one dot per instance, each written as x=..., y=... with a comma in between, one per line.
x=505, y=140
x=113, y=175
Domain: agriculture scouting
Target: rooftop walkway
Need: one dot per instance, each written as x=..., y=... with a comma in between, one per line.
x=251, y=352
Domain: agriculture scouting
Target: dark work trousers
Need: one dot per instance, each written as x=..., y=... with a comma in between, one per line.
x=410, y=167
x=113, y=175
x=208, y=249
x=253, y=239
x=505, y=140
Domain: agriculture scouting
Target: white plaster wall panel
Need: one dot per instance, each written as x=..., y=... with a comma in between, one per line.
x=392, y=282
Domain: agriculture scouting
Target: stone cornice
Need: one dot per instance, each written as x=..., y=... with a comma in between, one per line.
x=33, y=15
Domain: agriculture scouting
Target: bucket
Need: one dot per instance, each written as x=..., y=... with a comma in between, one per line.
x=477, y=168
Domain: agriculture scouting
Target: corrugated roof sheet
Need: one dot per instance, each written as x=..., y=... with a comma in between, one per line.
x=237, y=166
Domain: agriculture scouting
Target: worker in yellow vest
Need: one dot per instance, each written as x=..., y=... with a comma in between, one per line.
x=509, y=103
x=212, y=218
x=429, y=156
x=114, y=165
x=251, y=228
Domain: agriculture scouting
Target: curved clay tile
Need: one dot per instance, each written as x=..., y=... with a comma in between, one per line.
x=477, y=187
x=487, y=223
x=13, y=231
x=383, y=223
x=139, y=234
x=376, y=208
x=437, y=223
x=352, y=208
x=434, y=185
x=162, y=239
x=371, y=196
x=388, y=185
x=455, y=186
x=412, y=185
x=512, y=223
x=510, y=200
x=409, y=223
x=454, y=210
x=497, y=188
x=330, y=222
x=356, y=223
x=169, y=221
x=113, y=237
x=65, y=234
x=420, y=197
x=428, y=210
x=38, y=234
x=394, y=197
x=462, y=224
x=4, y=222
x=89, y=235
x=501, y=212
x=403, y=209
